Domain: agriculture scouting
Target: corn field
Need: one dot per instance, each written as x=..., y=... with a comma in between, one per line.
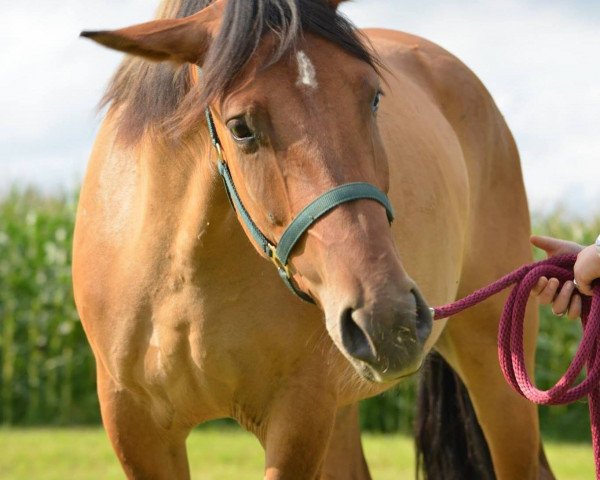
x=47, y=369
x=48, y=375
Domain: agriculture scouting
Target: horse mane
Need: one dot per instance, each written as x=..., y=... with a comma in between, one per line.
x=160, y=94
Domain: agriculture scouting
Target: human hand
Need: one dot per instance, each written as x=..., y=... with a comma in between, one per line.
x=565, y=301
x=587, y=269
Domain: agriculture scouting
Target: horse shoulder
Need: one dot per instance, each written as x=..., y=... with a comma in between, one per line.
x=107, y=285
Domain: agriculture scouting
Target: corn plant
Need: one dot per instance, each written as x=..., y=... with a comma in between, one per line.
x=47, y=369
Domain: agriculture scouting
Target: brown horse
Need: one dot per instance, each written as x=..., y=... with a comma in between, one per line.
x=189, y=323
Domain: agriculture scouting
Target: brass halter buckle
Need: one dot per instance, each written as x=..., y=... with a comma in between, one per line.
x=277, y=261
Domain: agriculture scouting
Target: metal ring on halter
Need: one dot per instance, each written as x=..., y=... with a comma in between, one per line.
x=277, y=261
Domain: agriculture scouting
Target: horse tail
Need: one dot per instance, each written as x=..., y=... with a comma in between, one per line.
x=449, y=441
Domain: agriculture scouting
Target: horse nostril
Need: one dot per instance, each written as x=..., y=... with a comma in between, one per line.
x=355, y=340
x=424, y=318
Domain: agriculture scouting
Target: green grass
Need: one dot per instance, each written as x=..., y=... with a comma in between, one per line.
x=85, y=454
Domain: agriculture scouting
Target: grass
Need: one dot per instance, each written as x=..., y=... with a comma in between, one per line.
x=85, y=454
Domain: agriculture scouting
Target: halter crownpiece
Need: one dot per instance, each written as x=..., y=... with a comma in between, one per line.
x=280, y=254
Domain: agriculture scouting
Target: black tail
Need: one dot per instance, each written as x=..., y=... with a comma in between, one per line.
x=449, y=442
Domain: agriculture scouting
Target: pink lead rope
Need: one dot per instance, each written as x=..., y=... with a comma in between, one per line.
x=510, y=340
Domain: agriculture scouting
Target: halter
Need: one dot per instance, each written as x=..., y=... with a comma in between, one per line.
x=280, y=254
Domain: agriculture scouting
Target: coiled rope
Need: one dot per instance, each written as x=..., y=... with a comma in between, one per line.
x=510, y=340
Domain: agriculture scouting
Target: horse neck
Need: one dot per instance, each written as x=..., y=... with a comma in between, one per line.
x=182, y=200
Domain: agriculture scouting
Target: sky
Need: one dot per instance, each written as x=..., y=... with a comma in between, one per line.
x=539, y=59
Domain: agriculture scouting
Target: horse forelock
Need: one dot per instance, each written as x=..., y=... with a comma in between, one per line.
x=162, y=94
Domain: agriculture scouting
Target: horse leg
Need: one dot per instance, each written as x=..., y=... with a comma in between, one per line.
x=300, y=426
x=145, y=449
x=509, y=421
x=345, y=458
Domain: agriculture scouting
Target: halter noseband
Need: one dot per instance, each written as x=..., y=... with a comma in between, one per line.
x=280, y=254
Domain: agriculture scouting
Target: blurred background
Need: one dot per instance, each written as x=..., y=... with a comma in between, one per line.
x=539, y=59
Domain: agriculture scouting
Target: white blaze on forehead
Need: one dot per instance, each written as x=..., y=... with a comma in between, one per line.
x=155, y=339
x=306, y=70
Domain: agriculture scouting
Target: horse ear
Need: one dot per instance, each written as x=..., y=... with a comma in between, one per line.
x=179, y=40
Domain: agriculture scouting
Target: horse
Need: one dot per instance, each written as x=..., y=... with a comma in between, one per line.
x=187, y=316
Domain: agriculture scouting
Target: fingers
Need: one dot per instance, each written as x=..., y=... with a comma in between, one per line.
x=575, y=307
x=539, y=286
x=563, y=299
x=566, y=301
x=547, y=294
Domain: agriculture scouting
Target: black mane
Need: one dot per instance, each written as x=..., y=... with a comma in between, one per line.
x=159, y=94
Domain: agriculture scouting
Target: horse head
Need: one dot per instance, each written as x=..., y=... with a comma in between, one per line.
x=296, y=116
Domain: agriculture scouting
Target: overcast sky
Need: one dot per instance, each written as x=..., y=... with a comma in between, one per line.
x=539, y=58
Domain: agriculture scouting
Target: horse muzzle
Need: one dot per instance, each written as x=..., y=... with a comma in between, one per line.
x=384, y=340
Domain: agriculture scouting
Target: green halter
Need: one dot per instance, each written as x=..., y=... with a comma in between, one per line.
x=280, y=254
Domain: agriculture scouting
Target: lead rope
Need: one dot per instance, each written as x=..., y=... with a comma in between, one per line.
x=510, y=340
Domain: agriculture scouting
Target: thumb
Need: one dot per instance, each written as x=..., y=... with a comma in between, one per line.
x=549, y=244
x=554, y=246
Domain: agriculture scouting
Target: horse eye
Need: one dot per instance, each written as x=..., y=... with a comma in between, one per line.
x=376, y=102
x=240, y=130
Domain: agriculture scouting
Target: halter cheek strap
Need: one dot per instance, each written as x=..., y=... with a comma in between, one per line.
x=280, y=254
